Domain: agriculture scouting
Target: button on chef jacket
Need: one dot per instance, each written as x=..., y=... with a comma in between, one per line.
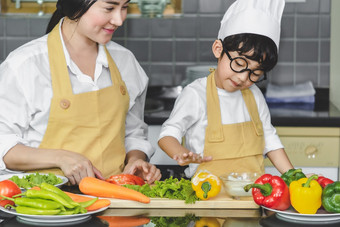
x=26, y=92
x=189, y=117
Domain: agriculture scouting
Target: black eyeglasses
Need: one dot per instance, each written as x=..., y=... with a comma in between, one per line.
x=239, y=65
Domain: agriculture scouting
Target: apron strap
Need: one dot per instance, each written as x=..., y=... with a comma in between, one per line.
x=113, y=69
x=253, y=111
x=61, y=83
x=214, y=128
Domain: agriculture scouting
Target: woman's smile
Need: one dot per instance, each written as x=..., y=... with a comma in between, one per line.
x=109, y=31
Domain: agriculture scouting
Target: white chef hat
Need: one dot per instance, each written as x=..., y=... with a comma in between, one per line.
x=261, y=17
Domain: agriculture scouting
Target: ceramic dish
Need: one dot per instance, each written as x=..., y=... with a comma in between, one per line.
x=321, y=216
x=21, y=175
x=52, y=219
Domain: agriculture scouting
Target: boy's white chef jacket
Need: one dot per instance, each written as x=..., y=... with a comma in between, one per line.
x=26, y=92
x=189, y=117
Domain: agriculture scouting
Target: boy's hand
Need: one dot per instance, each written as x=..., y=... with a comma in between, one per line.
x=187, y=158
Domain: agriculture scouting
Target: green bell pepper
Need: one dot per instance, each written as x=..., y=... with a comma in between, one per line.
x=292, y=175
x=331, y=197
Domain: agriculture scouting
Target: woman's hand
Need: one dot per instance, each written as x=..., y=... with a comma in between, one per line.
x=143, y=169
x=190, y=157
x=76, y=166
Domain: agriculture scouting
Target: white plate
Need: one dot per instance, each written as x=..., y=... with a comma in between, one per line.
x=321, y=216
x=21, y=175
x=53, y=219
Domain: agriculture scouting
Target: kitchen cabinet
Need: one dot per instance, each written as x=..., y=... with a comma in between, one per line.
x=160, y=157
x=335, y=54
x=314, y=149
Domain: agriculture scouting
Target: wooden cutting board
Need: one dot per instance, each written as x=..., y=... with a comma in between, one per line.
x=222, y=213
x=222, y=201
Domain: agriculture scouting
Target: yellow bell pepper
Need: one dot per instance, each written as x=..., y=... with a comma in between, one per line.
x=207, y=222
x=305, y=195
x=206, y=185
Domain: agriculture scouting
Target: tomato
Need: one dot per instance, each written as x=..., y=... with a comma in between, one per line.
x=8, y=188
x=323, y=181
x=125, y=178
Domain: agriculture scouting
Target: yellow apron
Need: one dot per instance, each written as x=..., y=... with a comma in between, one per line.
x=91, y=123
x=234, y=147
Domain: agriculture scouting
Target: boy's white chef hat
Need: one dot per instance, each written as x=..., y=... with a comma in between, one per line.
x=261, y=17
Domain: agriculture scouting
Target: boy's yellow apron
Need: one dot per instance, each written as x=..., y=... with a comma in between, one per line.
x=234, y=147
x=91, y=123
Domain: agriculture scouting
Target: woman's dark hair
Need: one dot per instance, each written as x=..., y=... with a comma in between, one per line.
x=72, y=9
x=264, y=48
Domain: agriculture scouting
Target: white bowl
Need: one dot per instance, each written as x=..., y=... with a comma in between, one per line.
x=234, y=183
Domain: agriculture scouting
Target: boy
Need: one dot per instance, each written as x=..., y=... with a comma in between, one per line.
x=224, y=117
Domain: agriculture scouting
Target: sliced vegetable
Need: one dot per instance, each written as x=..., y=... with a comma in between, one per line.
x=8, y=188
x=270, y=191
x=125, y=178
x=305, y=195
x=323, y=181
x=331, y=197
x=95, y=187
x=206, y=185
x=292, y=175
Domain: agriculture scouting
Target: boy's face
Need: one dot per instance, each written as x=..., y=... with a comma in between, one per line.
x=226, y=78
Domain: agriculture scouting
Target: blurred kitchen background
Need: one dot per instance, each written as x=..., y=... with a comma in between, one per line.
x=167, y=45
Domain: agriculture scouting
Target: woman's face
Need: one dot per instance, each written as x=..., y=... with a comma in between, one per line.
x=102, y=19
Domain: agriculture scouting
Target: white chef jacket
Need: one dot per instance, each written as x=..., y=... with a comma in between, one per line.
x=26, y=92
x=189, y=117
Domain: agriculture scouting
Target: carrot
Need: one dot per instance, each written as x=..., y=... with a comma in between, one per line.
x=36, y=188
x=100, y=203
x=78, y=198
x=120, y=221
x=95, y=187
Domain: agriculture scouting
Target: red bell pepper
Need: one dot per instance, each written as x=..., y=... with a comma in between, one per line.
x=323, y=181
x=125, y=178
x=270, y=191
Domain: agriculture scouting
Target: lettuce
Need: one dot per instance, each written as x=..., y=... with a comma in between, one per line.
x=35, y=179
x=170, y=188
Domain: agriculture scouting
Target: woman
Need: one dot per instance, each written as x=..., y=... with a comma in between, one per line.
x=74, y=99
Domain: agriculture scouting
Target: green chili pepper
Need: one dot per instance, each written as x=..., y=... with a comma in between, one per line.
x=331, y=197
x=88, y=203
x=58, y=191
x=43, y=194
x=75, y=210
x=82, y=210
x=67, y=212
x=35, y=211
x=292, y=175
x=36, y=203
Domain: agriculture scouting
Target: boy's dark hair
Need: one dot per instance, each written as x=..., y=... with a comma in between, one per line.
x=72, y=9
x=265, y=50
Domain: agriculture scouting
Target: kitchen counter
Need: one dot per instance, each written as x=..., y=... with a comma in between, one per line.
x=170, y=217
x=174, y=217
x=320, y=114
